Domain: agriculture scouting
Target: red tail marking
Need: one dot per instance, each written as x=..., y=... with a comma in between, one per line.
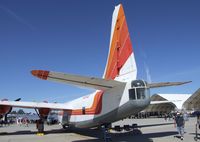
x=40, y=74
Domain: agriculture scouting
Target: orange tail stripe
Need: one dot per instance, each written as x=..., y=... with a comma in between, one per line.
x=121, y=47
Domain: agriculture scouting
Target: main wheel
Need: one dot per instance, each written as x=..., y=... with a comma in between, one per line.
x=64, y=126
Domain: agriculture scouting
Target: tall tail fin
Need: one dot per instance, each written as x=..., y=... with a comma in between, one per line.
x=121, y=63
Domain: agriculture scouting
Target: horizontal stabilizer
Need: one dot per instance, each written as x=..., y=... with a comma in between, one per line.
x=82, y=81
x=166, y=84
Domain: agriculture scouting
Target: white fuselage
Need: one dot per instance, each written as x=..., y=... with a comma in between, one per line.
x=116, y=104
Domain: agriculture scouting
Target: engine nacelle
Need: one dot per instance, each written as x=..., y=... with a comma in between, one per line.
x=43, y=112
x=4, y=109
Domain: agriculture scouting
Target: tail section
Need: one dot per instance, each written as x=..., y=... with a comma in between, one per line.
x=121, y=63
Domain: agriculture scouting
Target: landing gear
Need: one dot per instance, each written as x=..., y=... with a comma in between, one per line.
x=106, y=133
x=40, y=126
x=64, y=126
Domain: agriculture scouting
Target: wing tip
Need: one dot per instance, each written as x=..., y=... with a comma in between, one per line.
x=42, y=74
x=187, y=82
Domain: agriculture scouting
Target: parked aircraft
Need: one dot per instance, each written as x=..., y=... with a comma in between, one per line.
x=118, y=94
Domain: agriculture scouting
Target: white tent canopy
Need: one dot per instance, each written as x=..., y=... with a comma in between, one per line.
x=193, y=102
x=175, y=101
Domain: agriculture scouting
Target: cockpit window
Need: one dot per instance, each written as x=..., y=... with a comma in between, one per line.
x=132, y=94
x=138, y=90
x=140, y=93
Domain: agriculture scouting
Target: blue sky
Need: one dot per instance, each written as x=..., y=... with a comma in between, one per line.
x=73, y=37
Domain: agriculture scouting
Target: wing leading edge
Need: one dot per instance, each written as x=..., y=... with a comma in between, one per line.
x=56, y=106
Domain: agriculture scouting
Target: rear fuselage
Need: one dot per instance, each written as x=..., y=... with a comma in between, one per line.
x=115, y=105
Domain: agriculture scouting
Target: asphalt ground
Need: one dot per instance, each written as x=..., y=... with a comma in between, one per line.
x=150, y=130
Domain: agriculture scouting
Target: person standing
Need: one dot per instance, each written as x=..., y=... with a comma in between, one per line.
x=179, y=123
x=198, y=121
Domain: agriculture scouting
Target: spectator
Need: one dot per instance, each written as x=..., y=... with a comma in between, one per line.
x=179, y=123
x=198, y=121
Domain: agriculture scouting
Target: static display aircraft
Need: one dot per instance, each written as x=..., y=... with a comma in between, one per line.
x=118, y=94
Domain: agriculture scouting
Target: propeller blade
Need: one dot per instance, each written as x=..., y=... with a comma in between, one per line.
x=18, y=99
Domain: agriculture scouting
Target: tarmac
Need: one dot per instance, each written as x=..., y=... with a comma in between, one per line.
x=150, y=130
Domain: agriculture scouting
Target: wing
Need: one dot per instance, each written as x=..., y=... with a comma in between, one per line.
x=88, y=82
x=37, y=105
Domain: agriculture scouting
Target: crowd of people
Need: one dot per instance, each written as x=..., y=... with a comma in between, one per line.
x=18, y=120
x=22, y=121
x=5, y=123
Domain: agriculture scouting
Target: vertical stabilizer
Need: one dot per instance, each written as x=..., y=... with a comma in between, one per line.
x=121, y=63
